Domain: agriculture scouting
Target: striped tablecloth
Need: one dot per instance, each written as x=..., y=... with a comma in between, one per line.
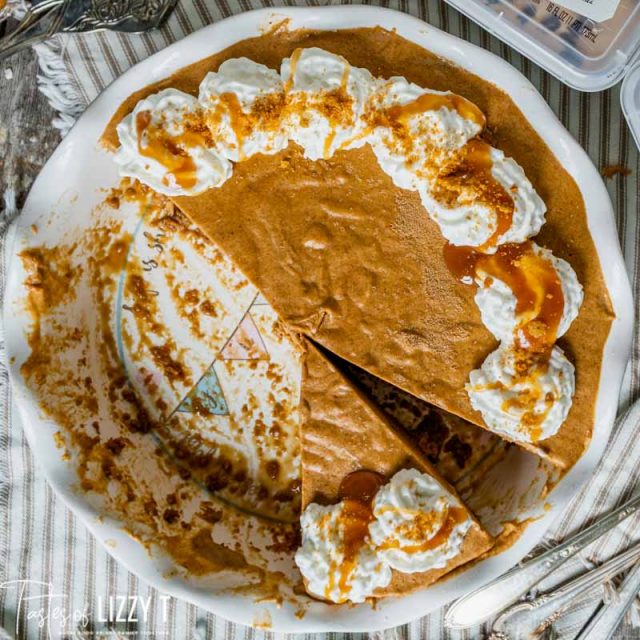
x=41, y=540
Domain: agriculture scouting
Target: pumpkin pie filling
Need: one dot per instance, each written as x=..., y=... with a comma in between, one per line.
x=360, y=265
x=354, y=498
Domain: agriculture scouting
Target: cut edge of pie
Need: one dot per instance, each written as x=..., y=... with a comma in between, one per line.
x=342, y=432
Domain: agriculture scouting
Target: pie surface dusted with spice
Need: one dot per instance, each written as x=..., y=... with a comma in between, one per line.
x=402, y=213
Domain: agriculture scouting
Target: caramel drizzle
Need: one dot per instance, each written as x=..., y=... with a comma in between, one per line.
x=397, y=118
x=537, y=288
x=239, y=121
x=526, y=402
x=341, y=95
x=293, y=63
x=533, y=281
x=266, y=114
x=420, y=530
x=169, y=150
x=433, y=102
x=357, y=491
x=472, y=172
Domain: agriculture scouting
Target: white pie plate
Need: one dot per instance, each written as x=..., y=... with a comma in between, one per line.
x=80, y=167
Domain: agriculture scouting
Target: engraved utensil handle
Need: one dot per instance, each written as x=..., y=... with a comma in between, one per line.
x=48, y=17
x=561, y=599
x=609, y=616
x=492, y=598
x=40, y=22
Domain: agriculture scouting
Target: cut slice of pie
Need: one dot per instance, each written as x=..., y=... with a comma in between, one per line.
x=350, y=450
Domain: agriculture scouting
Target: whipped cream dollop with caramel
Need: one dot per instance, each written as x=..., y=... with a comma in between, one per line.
x=327, y=100
x=415, y=132
x=510, y=296
x=520, y=395
x=164, y=145
x=418, y=524
x=527, y=298
x=242, y=104
x=486, y=200
x=410, y=524
x=337, y=563
x=426, y=141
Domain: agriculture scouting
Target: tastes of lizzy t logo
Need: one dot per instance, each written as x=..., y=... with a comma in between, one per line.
x=39, y=605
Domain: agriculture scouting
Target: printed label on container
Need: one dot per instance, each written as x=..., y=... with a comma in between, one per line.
x=597, y=10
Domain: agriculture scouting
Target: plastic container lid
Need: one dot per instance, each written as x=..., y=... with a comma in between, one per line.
x=630, y=99
x=585, y=54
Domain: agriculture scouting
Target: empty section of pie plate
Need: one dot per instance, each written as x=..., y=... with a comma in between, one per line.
x=212, y=364
x=207, y=502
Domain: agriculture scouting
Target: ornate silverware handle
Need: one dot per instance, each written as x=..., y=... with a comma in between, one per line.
x=560, y=599
x=491, y=599
x=48, y=17
x=609, y=616
x=40, y=22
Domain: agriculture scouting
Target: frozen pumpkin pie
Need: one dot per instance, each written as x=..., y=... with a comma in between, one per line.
x=377, y=519
x=398, y=210
x=401, y=213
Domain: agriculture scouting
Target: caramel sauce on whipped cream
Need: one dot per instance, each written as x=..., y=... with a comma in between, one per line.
x=168, y=150
x=531, y=278
x=435, y=102
x=473, y=170
x=357, y=491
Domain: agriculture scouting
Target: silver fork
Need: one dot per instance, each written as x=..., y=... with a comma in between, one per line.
x=44, y=18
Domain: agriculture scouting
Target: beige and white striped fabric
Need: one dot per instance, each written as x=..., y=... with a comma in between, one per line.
x=40, y=540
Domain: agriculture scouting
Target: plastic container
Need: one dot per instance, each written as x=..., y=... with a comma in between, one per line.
x=630, y=99
x=585, y=54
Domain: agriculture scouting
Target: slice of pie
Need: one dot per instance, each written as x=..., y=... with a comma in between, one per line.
x=378, y=520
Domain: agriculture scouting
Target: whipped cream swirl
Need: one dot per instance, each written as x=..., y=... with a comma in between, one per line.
x=415, y=525
x=412, y=512
x=497, y=302
x=321, y=558
x=522, y=396
x=244, y=103
x=326, y=102
x=470, y=221
x=415, y=131
x=161, y=145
